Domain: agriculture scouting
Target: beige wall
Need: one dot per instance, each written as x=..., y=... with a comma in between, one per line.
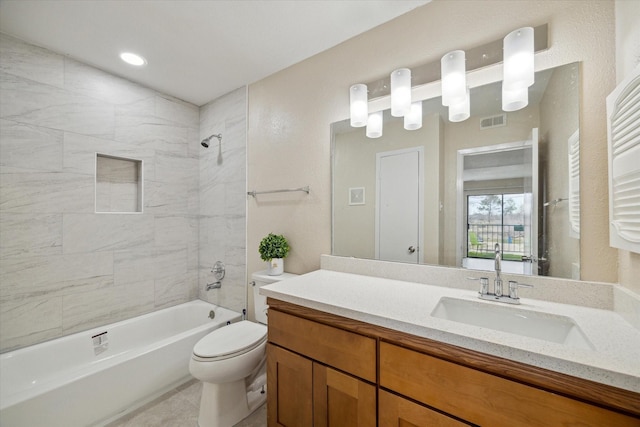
x=627, y=58
x=290, y=113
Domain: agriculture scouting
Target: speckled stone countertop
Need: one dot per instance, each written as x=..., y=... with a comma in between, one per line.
x=407, y=307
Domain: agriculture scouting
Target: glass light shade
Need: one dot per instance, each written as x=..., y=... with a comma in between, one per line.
x=518, y=59
x=374, y=125
x=413, y=120
x=359, y=108
x=400, y=92
x=461, y=111
x=454, y=79
x=513, y=100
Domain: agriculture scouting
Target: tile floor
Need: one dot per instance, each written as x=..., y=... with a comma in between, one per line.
x=179, y=408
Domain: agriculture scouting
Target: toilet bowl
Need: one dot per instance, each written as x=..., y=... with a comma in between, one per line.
x=231, y=363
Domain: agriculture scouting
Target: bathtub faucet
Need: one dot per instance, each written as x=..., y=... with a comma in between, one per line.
x=215, y=285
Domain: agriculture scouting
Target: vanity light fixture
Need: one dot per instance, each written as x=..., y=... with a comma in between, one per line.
x=359, y=105
x=374, y=125
x=516, y=52
x=400, y=92
x=514, y=100
x=460, y=111
x=518, y=71
x=454, y=79
x=413, y=120
x=133, y=59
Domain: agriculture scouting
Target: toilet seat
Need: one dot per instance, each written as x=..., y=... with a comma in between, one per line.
x=229, y=341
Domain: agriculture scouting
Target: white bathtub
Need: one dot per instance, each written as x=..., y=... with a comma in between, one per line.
x=86, y=379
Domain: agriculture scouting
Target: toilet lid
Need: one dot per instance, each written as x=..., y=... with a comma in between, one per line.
x=232, y=339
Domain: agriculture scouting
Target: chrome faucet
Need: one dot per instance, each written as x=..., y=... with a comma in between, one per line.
x=215, y=285
x=497, y=283
x=512, y=298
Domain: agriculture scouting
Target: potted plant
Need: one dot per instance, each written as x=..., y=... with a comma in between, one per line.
x=273, y=248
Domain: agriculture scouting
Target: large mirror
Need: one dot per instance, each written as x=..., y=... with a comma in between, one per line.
x=448, y=192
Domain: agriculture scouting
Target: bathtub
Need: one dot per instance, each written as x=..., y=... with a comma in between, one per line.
x=93, y=377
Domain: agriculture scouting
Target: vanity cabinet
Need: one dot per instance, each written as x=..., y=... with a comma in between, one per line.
x=484, y=399
x=326, y=370
x=319, y=375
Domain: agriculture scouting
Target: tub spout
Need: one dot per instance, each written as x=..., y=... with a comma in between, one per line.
x=215, y=285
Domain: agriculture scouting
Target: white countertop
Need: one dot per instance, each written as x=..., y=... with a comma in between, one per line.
x=406, y=307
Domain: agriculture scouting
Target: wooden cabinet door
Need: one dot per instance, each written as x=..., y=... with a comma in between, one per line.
x=289, y=389
x=394, y=411
x=340, y=400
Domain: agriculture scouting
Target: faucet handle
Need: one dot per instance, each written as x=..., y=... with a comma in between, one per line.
x=484, y=284
x=513, y=288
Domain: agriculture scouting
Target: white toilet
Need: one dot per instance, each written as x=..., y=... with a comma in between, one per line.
x=230, y=362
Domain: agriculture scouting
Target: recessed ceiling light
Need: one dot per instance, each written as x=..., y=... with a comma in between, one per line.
x=133, y=59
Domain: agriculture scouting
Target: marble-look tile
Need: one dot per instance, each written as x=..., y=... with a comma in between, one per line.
x=133, y=266
x=172, y=231
x=85, y=310
x=137, y=124
x=55, y=275
x=80, y=154
x=194, y=148
x=118, y=197
x=166, y=198
x=176, y=169
x=26, y=101
x=193, y=242
x=26, y=321
x=177, y=111
x=82, y=233
x=31, y=62
x=230, y=105
x=235, y=198
x=170, y=263
x=212, y=196
x=30, y=234
x=171, y=290
x=235, y=230
x=28, y=148
x=46, y=192
x=89, y=81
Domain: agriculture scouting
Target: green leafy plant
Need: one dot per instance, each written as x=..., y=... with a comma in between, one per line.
x=273, y=246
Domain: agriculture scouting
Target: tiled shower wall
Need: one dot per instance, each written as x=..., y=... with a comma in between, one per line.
x=64, y=268
x=223, y=198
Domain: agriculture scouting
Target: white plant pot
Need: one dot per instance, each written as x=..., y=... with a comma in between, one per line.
x=276, y=267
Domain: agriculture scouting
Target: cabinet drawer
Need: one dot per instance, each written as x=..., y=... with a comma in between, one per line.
x=482, y=398
x=344, y=350
x=395, y=411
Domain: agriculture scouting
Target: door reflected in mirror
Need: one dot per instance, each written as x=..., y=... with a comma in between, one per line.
x=447, y=192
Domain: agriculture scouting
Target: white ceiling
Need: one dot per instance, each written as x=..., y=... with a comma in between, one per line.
x=197, y=50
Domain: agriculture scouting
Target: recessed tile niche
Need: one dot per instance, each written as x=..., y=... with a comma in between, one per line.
x=118, y=184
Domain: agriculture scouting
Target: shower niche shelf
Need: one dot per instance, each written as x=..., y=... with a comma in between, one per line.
x=119, y=186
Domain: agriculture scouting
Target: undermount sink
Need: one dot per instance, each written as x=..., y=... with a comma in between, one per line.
x=533, y=324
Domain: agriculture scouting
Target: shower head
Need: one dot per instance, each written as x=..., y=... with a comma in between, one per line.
x=205, y=142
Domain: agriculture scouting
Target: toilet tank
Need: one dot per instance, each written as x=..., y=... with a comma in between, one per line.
x=259, y=279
